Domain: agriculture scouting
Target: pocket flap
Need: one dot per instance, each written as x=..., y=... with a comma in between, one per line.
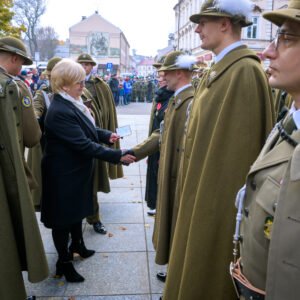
x=268, y=195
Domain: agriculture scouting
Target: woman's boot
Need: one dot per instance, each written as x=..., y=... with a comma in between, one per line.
x=79, y=248
x=67, y=269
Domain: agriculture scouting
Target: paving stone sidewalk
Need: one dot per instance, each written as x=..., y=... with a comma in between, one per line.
x=123, y=267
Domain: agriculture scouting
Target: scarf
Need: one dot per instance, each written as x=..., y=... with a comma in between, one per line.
x=79, y=105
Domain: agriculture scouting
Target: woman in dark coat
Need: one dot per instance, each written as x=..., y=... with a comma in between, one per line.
x=72, y=142
x=160, y=104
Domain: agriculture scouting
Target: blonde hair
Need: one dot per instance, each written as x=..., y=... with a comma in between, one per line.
x=66, y=73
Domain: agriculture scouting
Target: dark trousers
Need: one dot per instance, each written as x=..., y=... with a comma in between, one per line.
x=61, y=239
x=116, y=97
x=127, y=98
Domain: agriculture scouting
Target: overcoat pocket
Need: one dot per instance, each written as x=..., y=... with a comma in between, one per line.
x=267, y=197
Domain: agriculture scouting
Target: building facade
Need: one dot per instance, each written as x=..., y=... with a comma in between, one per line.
x=256, y=36
x=105, y=42
x=145, y=67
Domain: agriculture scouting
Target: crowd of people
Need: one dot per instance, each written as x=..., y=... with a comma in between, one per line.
x=222, y=175
x=124, y=89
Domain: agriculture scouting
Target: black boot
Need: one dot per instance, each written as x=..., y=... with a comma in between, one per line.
x=79, y=248
x=67, y=269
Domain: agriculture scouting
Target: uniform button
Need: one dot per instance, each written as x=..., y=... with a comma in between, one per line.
x=275, y=206
x=177, y=149
x=253, y=185
x=18, y=124
x=15, y=108
x=10, y=92
x=246, y=212
x=2, y=147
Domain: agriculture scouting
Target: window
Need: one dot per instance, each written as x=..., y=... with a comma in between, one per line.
x=252, y=30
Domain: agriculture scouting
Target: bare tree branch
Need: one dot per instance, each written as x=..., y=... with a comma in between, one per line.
x=28, y=13
x=47, y=40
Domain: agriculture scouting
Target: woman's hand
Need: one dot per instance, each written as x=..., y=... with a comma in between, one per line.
x=113, y=138
x=127, y=157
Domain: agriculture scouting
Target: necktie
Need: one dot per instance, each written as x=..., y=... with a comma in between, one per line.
x=285, y=129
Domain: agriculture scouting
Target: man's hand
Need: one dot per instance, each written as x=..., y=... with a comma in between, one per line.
x=127, y=157
x=113, y=138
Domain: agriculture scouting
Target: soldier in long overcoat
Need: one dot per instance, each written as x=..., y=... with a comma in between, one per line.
x=231, y=116
x=270, y=207
x=160, y=104
x=178, y=77
x=21, y=247
x=103, y=103
x=41, y=103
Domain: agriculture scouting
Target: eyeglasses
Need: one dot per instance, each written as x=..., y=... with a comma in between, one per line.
x=285, y=39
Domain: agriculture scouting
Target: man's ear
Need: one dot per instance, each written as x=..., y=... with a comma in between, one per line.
x=225, y=24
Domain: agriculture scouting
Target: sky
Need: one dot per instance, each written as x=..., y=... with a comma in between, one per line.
x=146, y=24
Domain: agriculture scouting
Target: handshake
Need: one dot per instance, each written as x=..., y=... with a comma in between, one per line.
x=127, y=157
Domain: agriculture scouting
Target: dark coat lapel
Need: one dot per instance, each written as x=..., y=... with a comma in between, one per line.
x=80, y=115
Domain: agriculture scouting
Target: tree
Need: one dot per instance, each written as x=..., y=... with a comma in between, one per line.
x=28, y=14
x=47, y=40
x=6, y=16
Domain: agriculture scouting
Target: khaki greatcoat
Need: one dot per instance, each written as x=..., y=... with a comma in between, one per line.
x=231, y=116
x=271, y=258
x=35, y=154
x=21, y=246
x=28, y=128
x=171, y=147
x=101, y=178
x=101, y=92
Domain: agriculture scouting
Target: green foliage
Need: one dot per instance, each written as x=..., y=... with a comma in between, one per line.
x=6, y=15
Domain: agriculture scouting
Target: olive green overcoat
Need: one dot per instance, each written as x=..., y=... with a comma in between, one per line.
x=35, y=153
x=170, y=149
x=101, y=178
x=102, y=94
x=231, y=116
x=270, y=224
x=168, y=172
x=28, y=129
x=21, y=247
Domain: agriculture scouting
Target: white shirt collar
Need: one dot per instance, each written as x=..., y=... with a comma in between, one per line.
x=87, y=77
x=181, y=89
x=296, y=115
x=227, y=50
x=79, y=105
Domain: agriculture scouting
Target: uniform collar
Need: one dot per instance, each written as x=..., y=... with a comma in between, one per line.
x=227, y=50
x=3, y=69
x=88, y=77
x=181, y=89
x=296, y=115
x=231, y=58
